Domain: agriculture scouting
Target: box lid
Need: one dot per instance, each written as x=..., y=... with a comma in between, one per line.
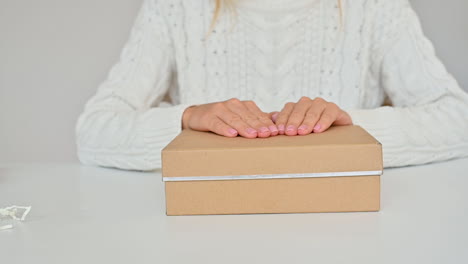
x=340, y=151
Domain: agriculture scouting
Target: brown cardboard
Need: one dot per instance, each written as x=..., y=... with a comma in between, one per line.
x=289, y=165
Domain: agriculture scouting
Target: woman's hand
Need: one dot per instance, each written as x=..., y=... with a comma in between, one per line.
x=307, y=116
x=230, y=118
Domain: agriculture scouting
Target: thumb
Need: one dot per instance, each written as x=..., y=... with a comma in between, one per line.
x=273, y=116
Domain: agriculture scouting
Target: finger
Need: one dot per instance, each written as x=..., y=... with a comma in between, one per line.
x=236, y=122
x=312, y=116
x=262, y=117
x=237, y=107
x=297, y=116
x=344, y=119
x=283, y=116
x=217, y=126
x=329, y=115
x=273, y=116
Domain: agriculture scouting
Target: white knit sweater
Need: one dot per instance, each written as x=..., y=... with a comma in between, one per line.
x=273, y=52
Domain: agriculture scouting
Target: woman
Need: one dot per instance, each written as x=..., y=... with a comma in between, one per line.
x=221, y=66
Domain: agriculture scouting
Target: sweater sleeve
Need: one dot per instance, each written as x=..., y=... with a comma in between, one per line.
x=429, y=118
x=124, y=125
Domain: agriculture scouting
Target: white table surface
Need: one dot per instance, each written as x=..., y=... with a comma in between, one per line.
x=96, y=215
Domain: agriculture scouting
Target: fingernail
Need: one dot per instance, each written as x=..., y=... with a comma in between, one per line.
x=302, y=128
x=264, y=130
x=290, y=128
x=273, y=129
x=251, y=131
x=317, y=127
x=281, y=128
x=232, y=131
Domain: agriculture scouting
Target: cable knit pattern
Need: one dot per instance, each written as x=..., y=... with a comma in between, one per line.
x=272, y=52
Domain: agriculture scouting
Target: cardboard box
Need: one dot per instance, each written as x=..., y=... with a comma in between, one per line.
x=335, y=171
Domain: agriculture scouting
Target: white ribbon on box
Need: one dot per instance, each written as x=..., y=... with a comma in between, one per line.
x=274, y=176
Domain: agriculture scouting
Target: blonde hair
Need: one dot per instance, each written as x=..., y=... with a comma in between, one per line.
x=229, y=3
x=217, y=11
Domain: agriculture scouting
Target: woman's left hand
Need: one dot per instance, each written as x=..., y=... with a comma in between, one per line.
x=307, y=116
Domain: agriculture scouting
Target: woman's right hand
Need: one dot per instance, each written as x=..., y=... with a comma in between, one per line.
x=230, y=118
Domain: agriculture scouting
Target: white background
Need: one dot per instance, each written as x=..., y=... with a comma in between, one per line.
x=54, y=54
